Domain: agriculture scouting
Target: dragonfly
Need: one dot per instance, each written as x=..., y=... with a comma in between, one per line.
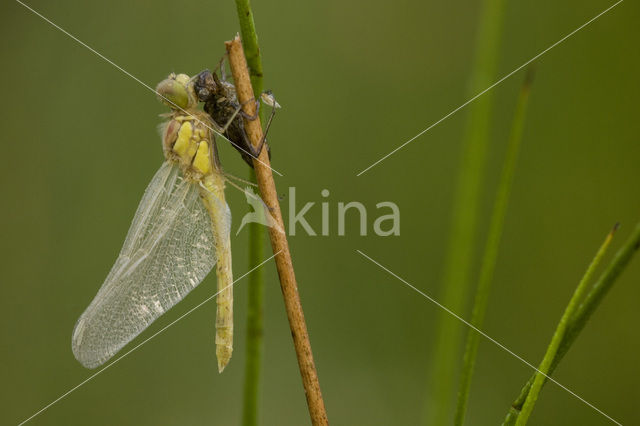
x=180, y=231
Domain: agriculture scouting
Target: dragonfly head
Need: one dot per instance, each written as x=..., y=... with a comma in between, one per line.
x=177, y=92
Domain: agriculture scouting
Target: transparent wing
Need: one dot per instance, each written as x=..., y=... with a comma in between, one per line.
x=168, y=251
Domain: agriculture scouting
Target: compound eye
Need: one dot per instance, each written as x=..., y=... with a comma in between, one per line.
x=183, y=79
x=173, y=92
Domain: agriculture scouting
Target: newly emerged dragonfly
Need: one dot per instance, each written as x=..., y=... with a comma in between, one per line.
x=179, y=232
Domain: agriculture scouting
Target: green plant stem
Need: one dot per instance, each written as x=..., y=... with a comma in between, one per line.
x=455, y=283
x=250, y=44
x=491, y=248
x=255, y=294
x=558, y=335
x=255, y=306
x=581, y=316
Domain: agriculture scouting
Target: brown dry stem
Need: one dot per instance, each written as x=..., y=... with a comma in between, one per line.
x=278, y=238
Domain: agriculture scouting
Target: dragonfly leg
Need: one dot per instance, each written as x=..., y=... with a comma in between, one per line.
x=221, y=67
x=230, y=121
x=246, y=182
x=255, y=114
x=255, y=152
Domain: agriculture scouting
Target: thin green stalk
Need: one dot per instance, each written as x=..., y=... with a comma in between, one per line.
x=558, y=335
x=250, y=44
x=581, y=316
x=255, y=294
x=255, y=290
x=491, y=248
x=455, y=283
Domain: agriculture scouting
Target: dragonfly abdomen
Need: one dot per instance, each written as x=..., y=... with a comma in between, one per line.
x=213, y=198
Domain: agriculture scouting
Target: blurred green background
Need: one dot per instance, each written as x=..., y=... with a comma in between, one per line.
x=356, y=79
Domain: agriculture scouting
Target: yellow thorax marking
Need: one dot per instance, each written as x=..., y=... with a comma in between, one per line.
x=192, y=147
x=183, y=142
x=202, y=160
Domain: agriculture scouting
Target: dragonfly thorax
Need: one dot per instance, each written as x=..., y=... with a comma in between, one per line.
x=188, y=141
x=187, y=138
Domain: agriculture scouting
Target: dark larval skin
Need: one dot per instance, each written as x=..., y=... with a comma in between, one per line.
x=221, y=103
